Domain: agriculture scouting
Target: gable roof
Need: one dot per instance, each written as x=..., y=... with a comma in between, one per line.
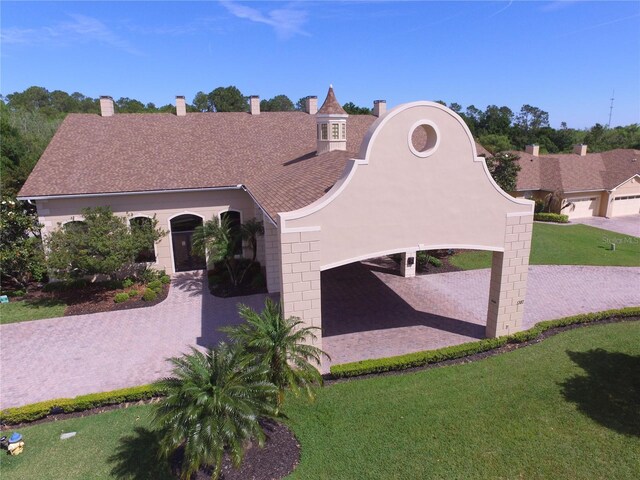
x=273, y=154
x=571, y=172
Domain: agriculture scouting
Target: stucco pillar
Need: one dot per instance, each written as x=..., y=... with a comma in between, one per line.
x=408, y=264
x=509, y=271
x=272, y=256
x=300, y=295
x=606, y=205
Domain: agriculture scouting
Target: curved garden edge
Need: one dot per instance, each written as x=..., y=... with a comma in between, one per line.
x=85, y=405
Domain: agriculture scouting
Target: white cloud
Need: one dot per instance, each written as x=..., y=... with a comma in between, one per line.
x=287, y=22
x=80, y=28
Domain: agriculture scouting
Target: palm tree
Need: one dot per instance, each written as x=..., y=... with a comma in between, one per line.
x=215, y=240
x=250, y=231
x=281, y=344
x=214, y=400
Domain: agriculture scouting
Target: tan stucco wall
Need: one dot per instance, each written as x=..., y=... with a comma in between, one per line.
x=164, y=205
x=394, y=200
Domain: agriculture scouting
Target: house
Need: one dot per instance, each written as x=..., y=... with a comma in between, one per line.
x=603, y=184
x=331, y=189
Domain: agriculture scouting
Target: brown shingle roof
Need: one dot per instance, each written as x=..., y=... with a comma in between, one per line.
x=272, y=154
x=571, y=172
x=331, y=105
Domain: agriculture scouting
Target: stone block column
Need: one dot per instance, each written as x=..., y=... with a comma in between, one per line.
x=408, y=264
x=272, y=256
x=509, y=271
x=301, y=278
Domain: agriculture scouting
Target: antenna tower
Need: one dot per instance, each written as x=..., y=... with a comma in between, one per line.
x=611, y=109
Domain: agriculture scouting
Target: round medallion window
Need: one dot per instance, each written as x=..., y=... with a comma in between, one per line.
x=424, y=138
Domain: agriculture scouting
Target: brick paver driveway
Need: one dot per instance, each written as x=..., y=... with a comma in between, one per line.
x=69, y=356
x=627, y=225
x=367, y=313
x=371, y=312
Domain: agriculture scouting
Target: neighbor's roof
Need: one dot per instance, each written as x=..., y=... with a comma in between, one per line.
x=571, y=172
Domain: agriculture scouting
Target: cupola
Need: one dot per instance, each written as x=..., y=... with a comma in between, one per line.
x=331, y=121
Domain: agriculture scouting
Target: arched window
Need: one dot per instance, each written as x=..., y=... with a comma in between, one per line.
x=143, y=228
x=233, y=218
x=75, y=226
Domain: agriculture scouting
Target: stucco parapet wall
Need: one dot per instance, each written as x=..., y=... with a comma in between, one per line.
x=394, y=199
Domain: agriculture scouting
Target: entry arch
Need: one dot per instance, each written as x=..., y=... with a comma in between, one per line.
x=390, y=198
x=181, y=228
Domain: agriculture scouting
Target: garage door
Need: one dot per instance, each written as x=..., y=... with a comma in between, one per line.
x=582, y=207
x=626, y=205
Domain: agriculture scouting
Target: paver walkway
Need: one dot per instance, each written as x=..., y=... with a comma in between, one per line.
x=366, y=313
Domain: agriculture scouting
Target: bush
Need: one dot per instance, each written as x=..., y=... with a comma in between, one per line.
x=418, y=359
x=551, y=217
x=121, y=297
x=133, y=293
x=126, y=283
x=539, y=206
x=149, y=295
x=36, y=411
x=16, y=293
x=156, y=286
x=165, y=279
x=436, y=262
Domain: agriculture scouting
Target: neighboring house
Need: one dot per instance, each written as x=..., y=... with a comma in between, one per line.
x=603, y=184
x=330, y=188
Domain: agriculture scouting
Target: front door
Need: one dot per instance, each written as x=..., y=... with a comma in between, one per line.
x=184, y=259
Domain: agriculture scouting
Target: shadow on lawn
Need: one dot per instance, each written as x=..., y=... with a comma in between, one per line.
x=609, y=392
x=36, y=303
x=137, y=458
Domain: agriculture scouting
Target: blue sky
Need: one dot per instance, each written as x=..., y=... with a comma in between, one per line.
x=565, y=57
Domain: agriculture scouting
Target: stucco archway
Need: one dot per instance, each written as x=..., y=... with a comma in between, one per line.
x=399, y=196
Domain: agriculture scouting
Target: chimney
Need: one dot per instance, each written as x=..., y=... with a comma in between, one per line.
x=106, y=106
x=533, y=150
x=379, y=107
x=254, y=101
x=181, y=106
x=311, y=105
x=580, y=149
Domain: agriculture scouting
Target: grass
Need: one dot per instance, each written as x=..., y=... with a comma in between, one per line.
x=567, y=245
x=565, y=408
x=26, y=310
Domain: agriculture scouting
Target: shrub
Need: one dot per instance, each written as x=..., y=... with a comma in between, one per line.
x=551, y=217
x=539, y=206
x=133, y=293
x=418, y=359
x=126, y=283
x=156, y=286
x=149, y=295
x=121, y=297
x=36, y=411
x=436, y=262
x=16, y=293
x=165, y=279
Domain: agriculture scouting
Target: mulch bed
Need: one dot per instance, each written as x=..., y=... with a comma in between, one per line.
x=94, y=298
x=277, y=459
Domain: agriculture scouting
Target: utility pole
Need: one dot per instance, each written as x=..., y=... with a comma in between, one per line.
x=611, y=108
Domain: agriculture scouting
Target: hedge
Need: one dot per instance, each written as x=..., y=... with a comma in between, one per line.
x=36, y=411
x=419, y=359
x=551, y=217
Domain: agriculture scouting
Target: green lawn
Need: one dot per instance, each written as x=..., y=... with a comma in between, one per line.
x=567, y=245
x=565, y=408
x=25, y=310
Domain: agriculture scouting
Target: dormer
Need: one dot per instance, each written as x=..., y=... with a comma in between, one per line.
x=331, y=122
